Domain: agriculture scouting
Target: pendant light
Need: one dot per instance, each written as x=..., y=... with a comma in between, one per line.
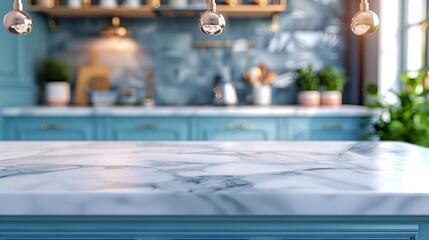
x=115, y=29
x=17, y=21
x=365, y=21
x=212, y=22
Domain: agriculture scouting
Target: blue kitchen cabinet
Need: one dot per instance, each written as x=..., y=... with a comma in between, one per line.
x=325, y=129
x=149, y=129
x=236, y=129
x=203, y=228
x=50, y=129
x=17, y=61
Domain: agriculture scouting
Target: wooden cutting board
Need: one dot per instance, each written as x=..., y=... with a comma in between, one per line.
x=94, y=76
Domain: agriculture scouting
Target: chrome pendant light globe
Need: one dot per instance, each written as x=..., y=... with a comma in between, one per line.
x=212, y=22
x=17, y=21
x=365, y=21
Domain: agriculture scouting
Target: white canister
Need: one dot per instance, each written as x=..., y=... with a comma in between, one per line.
x=108, y=4
x=262, y=95
x=131, y=3
x=178, y=3
x=57, y=93
x=74, y=3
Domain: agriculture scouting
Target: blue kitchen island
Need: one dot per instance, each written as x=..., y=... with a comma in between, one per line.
x=208, y=190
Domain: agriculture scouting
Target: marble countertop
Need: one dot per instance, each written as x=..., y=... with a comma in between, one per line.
x=207, y=178
x=207, y=111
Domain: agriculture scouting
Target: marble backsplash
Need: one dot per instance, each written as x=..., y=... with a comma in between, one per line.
x=311, y=33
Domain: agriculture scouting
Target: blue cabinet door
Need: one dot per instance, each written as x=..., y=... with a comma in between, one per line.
x=150, y=129
x=49, y=129
x=200, y=228
x=326, y=129
x=236, y=129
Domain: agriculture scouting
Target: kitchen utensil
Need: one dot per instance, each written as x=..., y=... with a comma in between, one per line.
x=269, y=78
x=92, y=75
x=128, y=96
x=225, y=93
x=254, y=76
x=102, y=98
x=263, y=68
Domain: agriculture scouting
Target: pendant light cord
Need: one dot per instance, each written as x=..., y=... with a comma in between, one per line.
x=212, y=5
x=364, y=5
x=17, y=5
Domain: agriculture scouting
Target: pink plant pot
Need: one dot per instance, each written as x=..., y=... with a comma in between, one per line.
x=309, y=98
x=332, y=98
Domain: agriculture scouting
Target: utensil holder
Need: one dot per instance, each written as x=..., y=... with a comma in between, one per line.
x=262, y=95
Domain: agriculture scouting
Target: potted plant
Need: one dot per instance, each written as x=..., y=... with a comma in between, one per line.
x=406, y=120
x=308, y=85
x=55, y=76
x=332, y=82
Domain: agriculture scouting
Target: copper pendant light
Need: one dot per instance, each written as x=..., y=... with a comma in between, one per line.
x=17, y=21
x=365, y=21
x=212, y=22
x=115, y=29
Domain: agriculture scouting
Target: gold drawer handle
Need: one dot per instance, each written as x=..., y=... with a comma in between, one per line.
x=50, y=126
x=243, y=126
x=45, y=126
x=148, y=126
x=334, y=126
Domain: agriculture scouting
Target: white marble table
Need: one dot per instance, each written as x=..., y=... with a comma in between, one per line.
x=257, y=179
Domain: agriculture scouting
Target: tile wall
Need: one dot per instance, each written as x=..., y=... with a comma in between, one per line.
x=311, y=33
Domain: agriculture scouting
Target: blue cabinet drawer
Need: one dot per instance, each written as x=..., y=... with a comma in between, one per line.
x=150, y=129
x=326, y=129
x=49, y=129
x=236, y=129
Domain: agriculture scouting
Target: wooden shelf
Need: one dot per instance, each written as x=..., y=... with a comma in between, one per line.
x=150, y=10
x=242, y=11
x=143, y=12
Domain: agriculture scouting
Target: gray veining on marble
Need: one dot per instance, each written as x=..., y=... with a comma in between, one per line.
x=274, y=111
x=283, y=178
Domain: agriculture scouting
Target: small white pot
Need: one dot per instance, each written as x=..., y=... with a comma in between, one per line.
x=108, y=3
x=309, y=98
x=74, y=3
x=178, y=3
x=57, y=93
x=132, y=3
x=332, y=98
x=262, y=95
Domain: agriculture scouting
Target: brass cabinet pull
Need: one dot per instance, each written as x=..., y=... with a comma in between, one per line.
x=51, y=126
x=243, y=126
x=147, y=126
x=334, y=126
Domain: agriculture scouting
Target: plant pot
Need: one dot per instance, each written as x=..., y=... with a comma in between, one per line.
x=57, y=93
x=332, y=98
x=309, y=98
